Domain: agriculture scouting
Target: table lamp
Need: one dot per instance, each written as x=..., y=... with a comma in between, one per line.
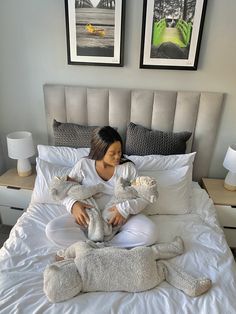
x=20, y=146
x=230, y=164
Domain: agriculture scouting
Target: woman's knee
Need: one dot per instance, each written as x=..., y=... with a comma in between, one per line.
x=50, y=228
x=54, y=225
x=150, y=232
x=146, y=229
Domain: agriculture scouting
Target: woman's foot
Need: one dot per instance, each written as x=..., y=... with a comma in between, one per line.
x=59, y=258
x=60, y=255
x=169, y=249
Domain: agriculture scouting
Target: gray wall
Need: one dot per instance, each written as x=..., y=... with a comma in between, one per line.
x=33, y=52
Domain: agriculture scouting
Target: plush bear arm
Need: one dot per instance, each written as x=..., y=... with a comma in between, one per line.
x=82, y=192
x=61, y=187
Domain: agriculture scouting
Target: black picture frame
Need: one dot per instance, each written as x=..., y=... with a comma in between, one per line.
x=171, y=34
x=95, y=35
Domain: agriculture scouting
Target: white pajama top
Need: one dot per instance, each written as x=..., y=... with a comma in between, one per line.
x=85, y=170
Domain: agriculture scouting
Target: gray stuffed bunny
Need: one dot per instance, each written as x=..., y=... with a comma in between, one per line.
x=88, y=268
x=60, y=187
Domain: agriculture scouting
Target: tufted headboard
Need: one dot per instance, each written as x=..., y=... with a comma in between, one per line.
x=197, y=112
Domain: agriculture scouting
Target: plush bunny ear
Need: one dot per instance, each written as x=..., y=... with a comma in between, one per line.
x=123, y=189
x=62, y=281
x=121, y=183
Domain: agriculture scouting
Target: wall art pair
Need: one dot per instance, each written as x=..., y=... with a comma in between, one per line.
x=171, y=33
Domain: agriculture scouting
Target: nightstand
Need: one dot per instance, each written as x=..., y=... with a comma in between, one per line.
x=225, y=203
x=15, y=195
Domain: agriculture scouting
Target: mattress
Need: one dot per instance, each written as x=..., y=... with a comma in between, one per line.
x=27, y=252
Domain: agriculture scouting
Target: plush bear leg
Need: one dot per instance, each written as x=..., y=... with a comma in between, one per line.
x=161, y=270
x=107, y=229
x=169, y=249
x=95, y=226
x=181, y=280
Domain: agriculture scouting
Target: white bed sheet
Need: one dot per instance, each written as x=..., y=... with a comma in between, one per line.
x=26, y=253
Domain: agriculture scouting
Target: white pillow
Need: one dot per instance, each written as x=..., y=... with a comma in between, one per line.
x=174, y=188
x=64, y=156
x=45, y=173
x=58, y=161
x=162, y=162
x=68, y=156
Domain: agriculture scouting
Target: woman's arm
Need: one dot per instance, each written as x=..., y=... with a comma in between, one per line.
x=69, y=201
x=128, y=207
x=117, y=218
x=76, y=208
x=131, y=207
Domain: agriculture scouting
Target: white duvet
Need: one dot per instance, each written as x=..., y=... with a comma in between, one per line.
x=26, y=253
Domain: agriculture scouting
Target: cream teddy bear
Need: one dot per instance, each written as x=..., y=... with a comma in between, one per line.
x=98, y=228
x=88, y=268
x=143, y=186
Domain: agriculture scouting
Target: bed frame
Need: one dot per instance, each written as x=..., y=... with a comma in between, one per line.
x=197, y=112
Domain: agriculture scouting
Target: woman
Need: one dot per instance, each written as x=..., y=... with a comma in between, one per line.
x=105, y=163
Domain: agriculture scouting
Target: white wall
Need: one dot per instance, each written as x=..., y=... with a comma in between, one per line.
x=2, y=162
x=33, y=52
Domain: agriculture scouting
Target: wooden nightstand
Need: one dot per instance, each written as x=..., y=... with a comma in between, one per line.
x=225, y=203
x=15, y=195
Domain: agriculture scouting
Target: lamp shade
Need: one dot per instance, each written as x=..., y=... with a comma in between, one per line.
x=20, y=145
x=230, y=159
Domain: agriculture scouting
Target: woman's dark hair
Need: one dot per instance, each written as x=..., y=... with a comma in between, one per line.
x=101, y=140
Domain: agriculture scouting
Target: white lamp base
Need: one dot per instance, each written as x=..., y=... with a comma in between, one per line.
x=24, y=168
x=230, y=181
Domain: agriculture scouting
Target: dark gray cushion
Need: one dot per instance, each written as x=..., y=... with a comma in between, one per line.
x=71, y=134
x=142, y=141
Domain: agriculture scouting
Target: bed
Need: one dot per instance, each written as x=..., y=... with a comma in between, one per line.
x=27, y=252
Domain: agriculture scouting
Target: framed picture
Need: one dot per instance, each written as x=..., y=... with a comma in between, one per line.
x=95, y=31
x=171, y=33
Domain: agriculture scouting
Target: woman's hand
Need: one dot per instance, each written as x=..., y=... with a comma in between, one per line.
x=78, y=211
x=117, y=218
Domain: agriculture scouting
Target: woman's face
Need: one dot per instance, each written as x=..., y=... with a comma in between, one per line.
x=113, y=154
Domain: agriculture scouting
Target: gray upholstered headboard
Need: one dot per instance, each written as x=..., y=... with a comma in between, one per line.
x=197, y=112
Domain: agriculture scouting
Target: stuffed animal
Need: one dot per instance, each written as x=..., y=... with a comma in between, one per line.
x=143, y=186
x=98, y=228
x=61, y=187
x=88, y=268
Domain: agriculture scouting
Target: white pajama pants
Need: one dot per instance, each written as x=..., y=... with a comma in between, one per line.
x=138, y=230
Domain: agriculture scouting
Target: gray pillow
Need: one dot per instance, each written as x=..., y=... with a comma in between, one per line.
x=71, y=134
x=142, y=141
